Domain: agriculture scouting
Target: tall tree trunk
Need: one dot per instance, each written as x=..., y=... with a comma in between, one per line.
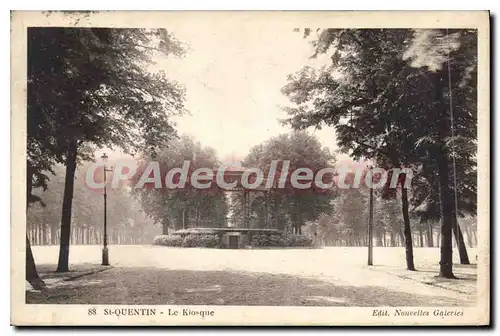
x=51, y=237
x=421, y=235
x=96, y=237
x=430, y=236
x=35, y=235
x=178, y=222
x=186, y=219
x=407, y=230
x=441, y=155
x=45, y=234
x=446, y=209
x=165, y=226
x=39, y=234
x=462, y=250
x=379, y=239
x=63, y=263
x=31, y=273
x=469, y=236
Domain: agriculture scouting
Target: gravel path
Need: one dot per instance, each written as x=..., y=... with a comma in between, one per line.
x=322, y=277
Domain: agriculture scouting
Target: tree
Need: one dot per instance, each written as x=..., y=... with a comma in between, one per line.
x=31, y=272
x=359, y=101
x=450, y=62
x=46, y=215
x=93, y=87
x=187, y=206
x=388, y=105
x=389, y=220
x=291, y=205
x=352, y=211
x=426, y=196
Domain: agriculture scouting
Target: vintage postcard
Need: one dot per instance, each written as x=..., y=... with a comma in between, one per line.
x=250, y=168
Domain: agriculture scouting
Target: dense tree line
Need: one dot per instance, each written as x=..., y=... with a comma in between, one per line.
x=347, y=224
x=127, y=223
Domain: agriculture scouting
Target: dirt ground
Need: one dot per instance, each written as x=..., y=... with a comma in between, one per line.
x=331, y=276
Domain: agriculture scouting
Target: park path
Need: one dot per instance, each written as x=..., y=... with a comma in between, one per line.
x=336, y=270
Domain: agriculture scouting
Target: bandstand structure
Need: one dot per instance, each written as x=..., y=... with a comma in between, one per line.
x=236, y=231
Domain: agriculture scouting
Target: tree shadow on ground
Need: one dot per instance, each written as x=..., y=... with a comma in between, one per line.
x=141, y=285
x=466, y=273
x=47, y=271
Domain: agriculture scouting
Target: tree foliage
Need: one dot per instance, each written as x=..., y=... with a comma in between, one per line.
x=386, y=93
x=290, y=206
x=92, y=87
x=187, y=206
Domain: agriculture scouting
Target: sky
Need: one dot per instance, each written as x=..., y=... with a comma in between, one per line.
x=233, y=79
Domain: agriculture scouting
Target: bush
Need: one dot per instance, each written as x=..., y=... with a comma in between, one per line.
x=168, y=240
x=209, y=241
x=299, y=240
x=201, y=240
x=280, y=240
x=189, y=240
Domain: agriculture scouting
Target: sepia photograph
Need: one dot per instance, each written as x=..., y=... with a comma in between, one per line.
x=249, y=168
